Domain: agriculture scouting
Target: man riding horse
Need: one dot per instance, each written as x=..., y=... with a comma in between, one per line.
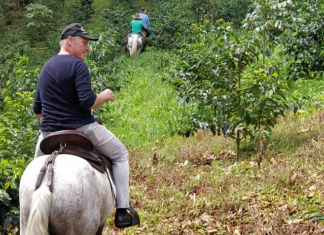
x=64, y=101
x=139, y=25
x=146, y=21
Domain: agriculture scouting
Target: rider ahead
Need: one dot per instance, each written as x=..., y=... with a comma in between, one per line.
x=64, y=101
x=145, y=20
x=137, y=24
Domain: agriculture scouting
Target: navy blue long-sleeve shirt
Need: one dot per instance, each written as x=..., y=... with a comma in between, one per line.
x=64, y=94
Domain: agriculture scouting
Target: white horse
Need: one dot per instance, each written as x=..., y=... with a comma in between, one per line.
x=81, y=201
x=135, y=44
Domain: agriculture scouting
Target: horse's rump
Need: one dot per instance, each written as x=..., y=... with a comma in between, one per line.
x=135, y=44
x=81, y=199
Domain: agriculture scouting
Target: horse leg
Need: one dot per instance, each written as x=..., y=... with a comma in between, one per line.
x=99, y=232
x=125, y=43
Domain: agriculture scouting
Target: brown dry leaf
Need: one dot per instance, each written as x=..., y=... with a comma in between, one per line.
x=313, y=187
x=211, y=230
x=231, y=152
x=273, y=161
x=293, y=178
x=311, y=195
x=186, y=223
x=283, y=208
x=303, y=130
x=226, y=154
x=237, y=232
x=154, y=159
x=295, y=221
x=229, y=226
x=205, y=217
x=140, y=230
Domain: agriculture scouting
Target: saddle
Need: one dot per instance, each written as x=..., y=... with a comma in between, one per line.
x=74, y=143
x=141, y=36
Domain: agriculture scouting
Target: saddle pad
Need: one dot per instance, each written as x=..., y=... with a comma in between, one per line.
x=96, y=160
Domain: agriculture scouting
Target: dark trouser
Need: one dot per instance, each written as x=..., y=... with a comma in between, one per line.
x=148, y=31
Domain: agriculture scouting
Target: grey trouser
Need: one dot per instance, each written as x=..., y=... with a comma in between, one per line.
x=108, y=145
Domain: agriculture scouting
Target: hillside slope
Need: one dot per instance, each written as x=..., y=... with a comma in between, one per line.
x=197, y=185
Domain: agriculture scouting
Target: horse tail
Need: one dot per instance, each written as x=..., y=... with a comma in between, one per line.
x=134, y=47
x=39, y=212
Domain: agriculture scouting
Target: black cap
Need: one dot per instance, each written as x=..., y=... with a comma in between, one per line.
x=74, y=30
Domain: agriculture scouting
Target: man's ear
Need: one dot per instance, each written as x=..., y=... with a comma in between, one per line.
x=69, y=40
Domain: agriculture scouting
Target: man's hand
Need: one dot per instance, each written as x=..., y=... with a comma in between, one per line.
x=109, y=95
x=38, y=115
x=102, y=97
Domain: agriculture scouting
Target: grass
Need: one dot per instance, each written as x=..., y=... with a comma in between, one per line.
x=196, y=185
x=146, y=110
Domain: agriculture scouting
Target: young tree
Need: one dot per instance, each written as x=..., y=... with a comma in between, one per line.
x=39, y=20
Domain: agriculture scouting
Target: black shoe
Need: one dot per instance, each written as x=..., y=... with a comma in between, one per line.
x=128, y=219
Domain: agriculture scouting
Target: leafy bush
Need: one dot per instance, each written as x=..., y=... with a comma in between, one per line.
x=19, y=134
x=304, y=41
x=52, y=5
x=24, y=79
x=7, y=10
x=39, y=20
x=213, y=10
x=233, y=10
x=80, y=12
x=214, y=71
x=2, y=20
x=103, y=61
x=169, y=24
x=14, y=45
x=117, y=17
x=18, y=129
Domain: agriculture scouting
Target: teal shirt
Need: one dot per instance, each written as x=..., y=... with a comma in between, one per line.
x=136, y=26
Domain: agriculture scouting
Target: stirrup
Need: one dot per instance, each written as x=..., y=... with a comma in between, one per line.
x=133, y=213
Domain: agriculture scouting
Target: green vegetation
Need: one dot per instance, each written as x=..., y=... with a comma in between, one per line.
x=249, y=70
x=146, y=102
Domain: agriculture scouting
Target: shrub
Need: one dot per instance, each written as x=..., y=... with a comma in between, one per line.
x=80, y=11
x=304, y=39
x=19, y=134
x=169, y=24
x=103, y=61
x=39, y=20
x=234, y=101
x=117, y=17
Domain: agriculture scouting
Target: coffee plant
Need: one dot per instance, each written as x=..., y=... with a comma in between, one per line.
x=39, y=20
x=18, y=129
x=80, y=11
x=304, y=41
x=214, y=71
